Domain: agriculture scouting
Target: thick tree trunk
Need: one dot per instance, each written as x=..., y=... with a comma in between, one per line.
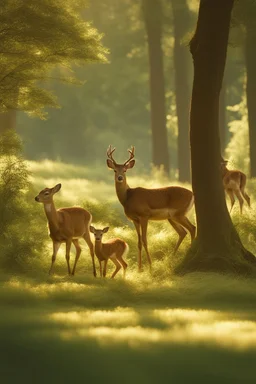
x=217, y=246
x=182, y=88
x=153, y=21
x=250, y=62
x=222, y=118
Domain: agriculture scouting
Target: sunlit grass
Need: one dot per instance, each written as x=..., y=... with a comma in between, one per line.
x=147, y=328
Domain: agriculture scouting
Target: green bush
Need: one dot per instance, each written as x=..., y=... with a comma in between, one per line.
x=21, y=238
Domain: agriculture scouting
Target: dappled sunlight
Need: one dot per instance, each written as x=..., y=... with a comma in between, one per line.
x=46, y=289
x=120, y=317
x=138, y=328
x=76, y=191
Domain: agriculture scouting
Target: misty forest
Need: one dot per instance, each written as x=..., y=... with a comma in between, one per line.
x=128, y=191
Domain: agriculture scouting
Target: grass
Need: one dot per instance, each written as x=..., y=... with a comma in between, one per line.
x=159, y=328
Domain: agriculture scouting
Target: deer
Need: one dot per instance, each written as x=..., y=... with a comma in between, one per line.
x=141, y=205
x=113, y=249
x=234, y=182
x=66, y=225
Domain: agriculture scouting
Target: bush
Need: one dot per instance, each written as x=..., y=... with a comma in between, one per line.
x=21, y=238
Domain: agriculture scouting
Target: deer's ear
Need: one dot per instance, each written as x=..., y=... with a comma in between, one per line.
x=92, y=229
x=130, y=164
x=56, y=188
x=110, y=164
x=105, y=230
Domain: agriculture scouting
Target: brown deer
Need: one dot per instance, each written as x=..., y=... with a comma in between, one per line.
x=113, y=249
x=66, y=225
x=141, y=205
x=234, y=182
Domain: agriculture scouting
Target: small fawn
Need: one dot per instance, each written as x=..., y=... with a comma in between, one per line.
x=113, y=249
x=66, y=225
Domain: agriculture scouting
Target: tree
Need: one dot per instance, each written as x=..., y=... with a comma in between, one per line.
x=41, y=36
x=250, y=63
x=244, y=17
x=217, y=246
x=222, y=117
x=181, y=22
x=152, y=12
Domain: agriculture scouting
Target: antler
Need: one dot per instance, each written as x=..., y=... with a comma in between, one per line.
x=131, y=151
x=110, y=152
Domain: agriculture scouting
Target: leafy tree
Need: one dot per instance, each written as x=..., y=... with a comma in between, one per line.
x=217, y=246
x=35, y=37
x=152, y=12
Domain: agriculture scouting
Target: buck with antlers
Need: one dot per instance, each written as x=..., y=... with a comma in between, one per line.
x=66, y=225
x=141, y=204
x=234, y=182
x=114, y=250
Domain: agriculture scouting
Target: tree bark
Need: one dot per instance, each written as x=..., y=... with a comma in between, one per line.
x=182, y=88
x=250, y=62
x=153, y=21
x=222, y=118
x=217, y=246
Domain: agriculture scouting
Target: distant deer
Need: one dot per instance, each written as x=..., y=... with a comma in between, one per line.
x=234, y=182
x=141, y=205
x=66, y=225
x=113, y=249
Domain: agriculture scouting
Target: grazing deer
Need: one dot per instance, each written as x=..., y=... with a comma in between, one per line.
x=234, y=182
x=141, y=205
x=113, y=249
x=66, y=225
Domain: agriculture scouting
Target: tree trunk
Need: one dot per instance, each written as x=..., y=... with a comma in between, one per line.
x=182, y=88
x=217, y=246
x=250, y=62
x=153, y=20
x=7, y=121
x=222, y=118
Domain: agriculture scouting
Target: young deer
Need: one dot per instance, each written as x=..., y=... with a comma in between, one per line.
x=141, y=205
x=66, y=225
x=113, y=249
x=234, y=184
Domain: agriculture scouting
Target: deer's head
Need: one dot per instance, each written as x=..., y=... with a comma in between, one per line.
x=120, y=169
x=46, y=195
x=98, y=233
x=223, y=163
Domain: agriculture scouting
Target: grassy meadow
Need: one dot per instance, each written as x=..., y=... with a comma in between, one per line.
x=159, y=328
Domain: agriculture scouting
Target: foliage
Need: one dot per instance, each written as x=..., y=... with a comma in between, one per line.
x=37, y=36
x=237, y=151
x=113, y=106
x=20, y=237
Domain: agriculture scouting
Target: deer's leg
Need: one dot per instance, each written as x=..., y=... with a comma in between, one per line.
x=56, y=247
x=184, y=221
x=137, y=227
x=246, y=197
x=118, y=267
x=181, y=232
x=78, y=252
x=144, y=227
x=68, y=246
x=105, y=268
x=232, y=198
x=100, y=268
x=87, y=238
x=240, y=199
x=123, y=263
